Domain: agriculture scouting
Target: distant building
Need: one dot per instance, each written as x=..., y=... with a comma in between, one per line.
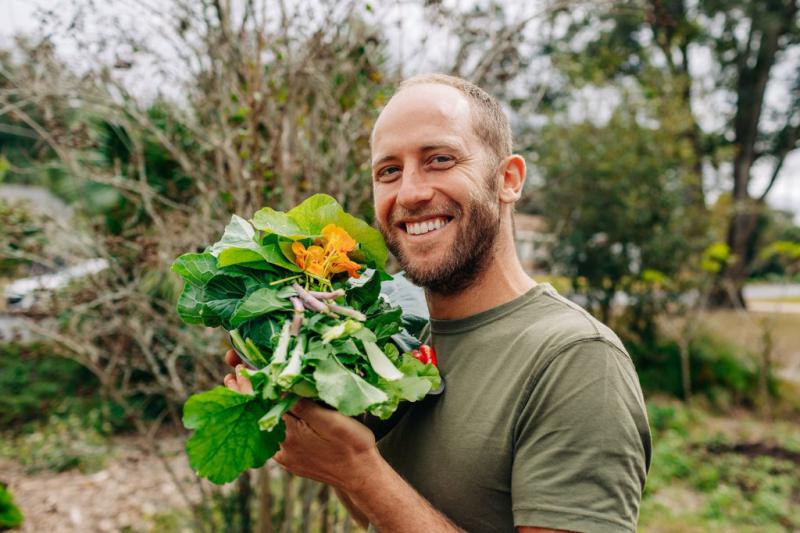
x=533, y=242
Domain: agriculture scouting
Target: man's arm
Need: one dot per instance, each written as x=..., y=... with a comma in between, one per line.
x=354, y=511
x=327, y=446
x=391, y=505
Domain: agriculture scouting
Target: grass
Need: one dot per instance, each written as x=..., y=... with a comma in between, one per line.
x=783, y=299
x=715, y=472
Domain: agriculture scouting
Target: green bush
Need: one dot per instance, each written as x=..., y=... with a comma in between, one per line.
x=720, y=371
x=37, y=382
x=59, y=444
x=34, y=381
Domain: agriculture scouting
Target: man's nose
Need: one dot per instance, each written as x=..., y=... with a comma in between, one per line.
x=415, y=188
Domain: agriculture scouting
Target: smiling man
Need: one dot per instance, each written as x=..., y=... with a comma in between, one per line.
x=542, y=426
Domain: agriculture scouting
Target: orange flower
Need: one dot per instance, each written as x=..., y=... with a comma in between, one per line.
x=337, y=239
x=312, y=260
x=329, y=258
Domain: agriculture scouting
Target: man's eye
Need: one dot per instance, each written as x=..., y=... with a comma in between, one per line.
x=442, y=161
x=388, y=173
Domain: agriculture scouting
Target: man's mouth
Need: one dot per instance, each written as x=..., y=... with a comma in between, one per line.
x=426, y=226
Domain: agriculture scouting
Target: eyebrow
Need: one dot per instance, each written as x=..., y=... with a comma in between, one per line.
x=427, y=148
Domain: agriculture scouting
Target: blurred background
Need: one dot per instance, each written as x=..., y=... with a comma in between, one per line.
x=663, y=195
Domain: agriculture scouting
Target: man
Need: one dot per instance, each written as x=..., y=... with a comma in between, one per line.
x=542, y=426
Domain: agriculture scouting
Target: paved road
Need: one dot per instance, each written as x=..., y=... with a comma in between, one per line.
x=762, y=291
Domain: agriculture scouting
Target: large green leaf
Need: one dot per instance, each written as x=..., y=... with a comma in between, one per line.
x=342, y=389
x=238, y=234
x=314, y=213
x=193, y=309
x=237, y=256
x=240, y=245
x=261, y=302
x=270, y=221
x=195, y=268
x=227, y=440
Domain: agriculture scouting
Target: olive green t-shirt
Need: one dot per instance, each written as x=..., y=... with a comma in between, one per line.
x=542, y=422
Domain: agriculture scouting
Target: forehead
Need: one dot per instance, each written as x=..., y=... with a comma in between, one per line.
x=423, y=115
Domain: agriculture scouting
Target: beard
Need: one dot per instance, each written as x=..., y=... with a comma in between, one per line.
x=469, y=254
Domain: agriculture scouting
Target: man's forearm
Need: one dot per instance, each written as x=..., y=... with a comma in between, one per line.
x=393, y=506
x=356, y=513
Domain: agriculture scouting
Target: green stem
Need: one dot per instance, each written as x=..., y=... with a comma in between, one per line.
x=290, y=278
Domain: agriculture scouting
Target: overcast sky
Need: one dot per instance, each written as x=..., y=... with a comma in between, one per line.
x=18, y=16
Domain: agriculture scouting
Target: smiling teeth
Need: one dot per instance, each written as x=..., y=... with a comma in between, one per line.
x=420, y=228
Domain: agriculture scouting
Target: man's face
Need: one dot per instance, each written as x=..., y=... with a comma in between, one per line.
x=434, y=189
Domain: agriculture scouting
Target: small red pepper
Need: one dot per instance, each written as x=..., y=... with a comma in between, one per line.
x=426, y=354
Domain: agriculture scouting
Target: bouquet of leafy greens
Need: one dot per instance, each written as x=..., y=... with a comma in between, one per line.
x=289, y=289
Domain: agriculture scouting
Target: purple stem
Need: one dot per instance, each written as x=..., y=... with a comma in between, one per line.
x=309, y=301
x=327, y=295
x=297, y=304
x=297, y=320
x=346, y=311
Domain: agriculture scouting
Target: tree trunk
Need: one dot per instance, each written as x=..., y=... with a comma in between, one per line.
x=264, y=501
x=751, y=87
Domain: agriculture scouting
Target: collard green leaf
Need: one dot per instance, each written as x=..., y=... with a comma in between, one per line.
x=260, y=302
x=227, y=440
x=345, y=391
x=193, y=309
x=196, y=269
x=270, y=221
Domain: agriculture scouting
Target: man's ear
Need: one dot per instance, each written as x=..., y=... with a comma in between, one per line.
x=512, y=179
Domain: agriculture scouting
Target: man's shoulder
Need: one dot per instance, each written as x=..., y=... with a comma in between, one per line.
x=557, y=324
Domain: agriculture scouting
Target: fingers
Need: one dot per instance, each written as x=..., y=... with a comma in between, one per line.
x=238, y=382
x=315, y=415
x=244, y=384
x=232, y=358
x=230, y=381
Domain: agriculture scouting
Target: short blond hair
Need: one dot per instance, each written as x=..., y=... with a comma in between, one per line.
x=488, y=119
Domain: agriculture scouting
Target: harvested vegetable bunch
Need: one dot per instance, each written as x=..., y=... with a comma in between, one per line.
x=291, y=290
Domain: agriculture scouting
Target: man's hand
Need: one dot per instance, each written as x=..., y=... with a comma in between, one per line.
x=327, y=446
x=320, y=444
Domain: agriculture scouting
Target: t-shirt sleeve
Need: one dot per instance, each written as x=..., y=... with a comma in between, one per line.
x=582, y=443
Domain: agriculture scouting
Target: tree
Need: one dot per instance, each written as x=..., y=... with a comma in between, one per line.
x=656, y=46
x=613, y=196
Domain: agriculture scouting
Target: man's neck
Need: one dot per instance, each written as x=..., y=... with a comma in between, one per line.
x=503, y=280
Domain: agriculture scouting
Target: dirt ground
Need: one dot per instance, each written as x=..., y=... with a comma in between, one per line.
x=134, y=486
